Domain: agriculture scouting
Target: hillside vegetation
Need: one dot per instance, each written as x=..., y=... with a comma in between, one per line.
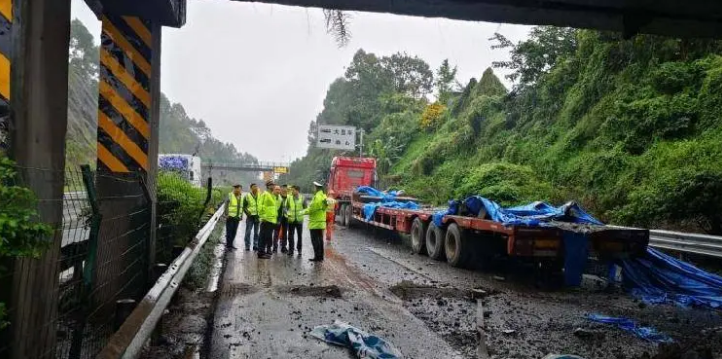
x=631, y=129
x=179, y=133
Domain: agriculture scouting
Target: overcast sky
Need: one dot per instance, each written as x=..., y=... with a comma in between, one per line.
x=257, y=74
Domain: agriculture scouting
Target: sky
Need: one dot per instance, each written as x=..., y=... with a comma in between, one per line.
x=257, y=74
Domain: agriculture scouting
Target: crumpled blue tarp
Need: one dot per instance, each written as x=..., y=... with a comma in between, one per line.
x=533, y=214
x=370, y=191
x=173, y=162
x=370, y=208
x=647, y=333
x=388, y=200
x=658, y=278
x=363, y=344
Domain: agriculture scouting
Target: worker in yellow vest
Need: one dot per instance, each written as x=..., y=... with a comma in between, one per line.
x=330, y=217
x=295, y=204
x=316, y=212
x=250, y=208
x=268, y=213
x=233, y=215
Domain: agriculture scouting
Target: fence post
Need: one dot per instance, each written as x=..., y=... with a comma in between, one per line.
x=76, y=345
x=150, y=256
x=209, y=195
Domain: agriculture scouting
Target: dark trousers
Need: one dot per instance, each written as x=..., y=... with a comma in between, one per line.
x=252, y=222
x=298, y=228
x=264, y=243
x=231, y=229
x=317, y=241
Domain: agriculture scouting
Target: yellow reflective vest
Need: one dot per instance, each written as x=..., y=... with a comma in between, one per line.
x=268, y=207
x=294, y=208
x=234, y=206
x=317, y=211
x=250, y=204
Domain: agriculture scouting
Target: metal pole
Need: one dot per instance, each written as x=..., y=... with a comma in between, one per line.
x=361, y=146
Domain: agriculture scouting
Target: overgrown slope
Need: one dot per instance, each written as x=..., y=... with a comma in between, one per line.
x=629, y=128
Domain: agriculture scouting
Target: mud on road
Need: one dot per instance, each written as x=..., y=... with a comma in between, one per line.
x=428, y=309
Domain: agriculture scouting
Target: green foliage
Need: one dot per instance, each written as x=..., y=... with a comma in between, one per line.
x=628, y=128
x=179, y=206
x=433, y=116
x=445, y=78
x=506, y=183
x=21, y=235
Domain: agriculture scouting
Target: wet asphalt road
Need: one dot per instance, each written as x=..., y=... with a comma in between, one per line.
x=369, y=279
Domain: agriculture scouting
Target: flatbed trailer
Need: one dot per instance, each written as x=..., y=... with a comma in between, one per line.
x=465, y=241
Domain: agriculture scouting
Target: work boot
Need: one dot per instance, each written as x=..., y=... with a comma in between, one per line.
x=290, y=253
x=284, y=250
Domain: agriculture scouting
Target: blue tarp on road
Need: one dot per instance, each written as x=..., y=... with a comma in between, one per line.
x=388, y=200
x=646, y=333
x=361, y=343
x=659, y=278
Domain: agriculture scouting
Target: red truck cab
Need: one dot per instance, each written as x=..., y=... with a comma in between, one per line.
x=348, y=173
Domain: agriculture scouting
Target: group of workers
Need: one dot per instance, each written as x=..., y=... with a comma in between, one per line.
x=276, y=216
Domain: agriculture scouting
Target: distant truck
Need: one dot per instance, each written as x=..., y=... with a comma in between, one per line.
x=188, y=166
x=347, y=174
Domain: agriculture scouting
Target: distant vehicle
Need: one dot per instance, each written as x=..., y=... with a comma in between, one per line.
x=188, y=166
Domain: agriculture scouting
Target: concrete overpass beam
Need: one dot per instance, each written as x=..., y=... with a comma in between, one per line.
x=37, y=127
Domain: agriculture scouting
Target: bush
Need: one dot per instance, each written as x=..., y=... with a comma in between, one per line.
x=20, y=233
x=433, y=116
x=180, y=206
x=505, y=183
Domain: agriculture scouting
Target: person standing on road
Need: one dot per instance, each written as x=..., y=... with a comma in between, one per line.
x=316, y=212
x=268, y=214
x=295, y=204
x=280, y=234
x=330, y=217
x=233, y=215
x=250, y=208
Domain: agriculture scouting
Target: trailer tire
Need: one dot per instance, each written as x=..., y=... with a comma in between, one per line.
x=435, y=242
x=418, y=236
x=456, y=246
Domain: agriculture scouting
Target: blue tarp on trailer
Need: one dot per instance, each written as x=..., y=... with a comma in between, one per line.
x=388, y=200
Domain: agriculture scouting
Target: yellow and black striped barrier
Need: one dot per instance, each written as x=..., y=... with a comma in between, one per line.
x=124, y=102
x=6, y=22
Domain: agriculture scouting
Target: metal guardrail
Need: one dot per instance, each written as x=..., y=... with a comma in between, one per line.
x=701, y=244
x=128, y=341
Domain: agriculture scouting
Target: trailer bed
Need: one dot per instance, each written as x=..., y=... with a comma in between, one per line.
x=604, y=242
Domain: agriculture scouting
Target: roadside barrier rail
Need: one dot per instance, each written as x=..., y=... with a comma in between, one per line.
x=701, y=244
x=128, y=341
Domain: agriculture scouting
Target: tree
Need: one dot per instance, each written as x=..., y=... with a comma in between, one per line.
x=83, y=52
x=445, y=77
x=410, y=75
x=536, y=55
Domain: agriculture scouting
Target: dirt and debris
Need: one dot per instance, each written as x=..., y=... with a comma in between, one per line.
x=331, y=291
x=182, y=330
x=407, y=290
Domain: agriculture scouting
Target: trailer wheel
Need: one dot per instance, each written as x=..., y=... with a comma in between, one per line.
x=418, y=236
x=348, y=215
x=456, y=246
x=435, y=242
